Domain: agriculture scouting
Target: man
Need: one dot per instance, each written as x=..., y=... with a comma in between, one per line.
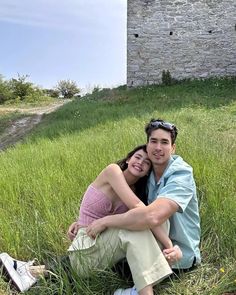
x=171, y=195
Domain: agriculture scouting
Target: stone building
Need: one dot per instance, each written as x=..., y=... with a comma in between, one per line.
x=190, y=38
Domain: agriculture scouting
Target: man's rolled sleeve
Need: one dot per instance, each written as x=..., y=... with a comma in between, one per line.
x=179, y=188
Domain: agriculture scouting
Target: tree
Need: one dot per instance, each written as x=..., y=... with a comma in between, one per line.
x=67, y=88
x=5, y=91
x=20, y=88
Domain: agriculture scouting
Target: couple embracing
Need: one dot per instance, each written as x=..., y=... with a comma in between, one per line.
x=144, y=209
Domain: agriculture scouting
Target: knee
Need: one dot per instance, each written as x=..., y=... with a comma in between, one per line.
x=137, y=236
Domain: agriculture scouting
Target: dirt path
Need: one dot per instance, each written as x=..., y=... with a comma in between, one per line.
x=20, y=127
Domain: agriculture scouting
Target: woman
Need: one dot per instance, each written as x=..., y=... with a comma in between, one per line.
x=118, y=185
x=115, y=186
x=114, y=191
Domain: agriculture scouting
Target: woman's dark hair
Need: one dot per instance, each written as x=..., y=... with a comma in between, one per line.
x=141, y=184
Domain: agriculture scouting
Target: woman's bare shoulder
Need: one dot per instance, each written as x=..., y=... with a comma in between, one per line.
x=113, y=168
x=108, y=174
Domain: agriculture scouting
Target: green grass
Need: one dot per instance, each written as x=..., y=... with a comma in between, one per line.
x=30, y=101
x=42, y=180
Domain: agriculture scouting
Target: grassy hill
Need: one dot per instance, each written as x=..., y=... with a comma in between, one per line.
x=42, y=180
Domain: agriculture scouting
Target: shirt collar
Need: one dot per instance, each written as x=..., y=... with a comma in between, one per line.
x=152, y=175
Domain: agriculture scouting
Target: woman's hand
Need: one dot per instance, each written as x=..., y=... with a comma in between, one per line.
x=73, y=230
x=95, y=228
x=173, y=254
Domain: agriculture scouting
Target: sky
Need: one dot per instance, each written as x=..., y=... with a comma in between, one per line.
x=52, y=40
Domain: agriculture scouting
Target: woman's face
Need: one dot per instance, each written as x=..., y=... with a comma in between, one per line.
x=139, y=164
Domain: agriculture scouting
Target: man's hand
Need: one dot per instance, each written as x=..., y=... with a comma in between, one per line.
x=173, y=254
x=72, y=231
x=95, y=228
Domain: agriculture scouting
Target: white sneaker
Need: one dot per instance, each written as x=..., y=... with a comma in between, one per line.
x=18, y=272
x=129, y=291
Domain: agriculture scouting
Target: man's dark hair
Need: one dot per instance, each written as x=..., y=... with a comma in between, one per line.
x=161, y=124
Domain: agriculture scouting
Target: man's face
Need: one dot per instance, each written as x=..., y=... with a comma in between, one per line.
x=159, y=148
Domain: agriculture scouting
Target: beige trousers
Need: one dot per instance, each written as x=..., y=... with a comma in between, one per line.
x=147, y=263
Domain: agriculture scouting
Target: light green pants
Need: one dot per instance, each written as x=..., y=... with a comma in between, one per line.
x=147, y=263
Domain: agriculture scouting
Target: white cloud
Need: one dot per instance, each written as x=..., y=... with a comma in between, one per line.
x=61, y=14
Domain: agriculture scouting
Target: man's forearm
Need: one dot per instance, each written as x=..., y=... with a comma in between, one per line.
x=140, y=218
x=134, y=219
x=143, y=217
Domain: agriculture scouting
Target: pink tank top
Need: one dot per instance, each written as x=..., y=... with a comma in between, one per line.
x=95, y=205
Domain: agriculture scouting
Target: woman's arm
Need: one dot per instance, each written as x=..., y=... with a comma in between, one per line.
x=115, y=177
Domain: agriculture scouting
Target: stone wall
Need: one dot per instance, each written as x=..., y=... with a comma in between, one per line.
x=190, y=38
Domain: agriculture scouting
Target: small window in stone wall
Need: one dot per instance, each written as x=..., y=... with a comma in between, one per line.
x=171, y=33
x=136, y=35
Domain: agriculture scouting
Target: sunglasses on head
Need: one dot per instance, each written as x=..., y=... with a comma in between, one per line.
x=165, y=125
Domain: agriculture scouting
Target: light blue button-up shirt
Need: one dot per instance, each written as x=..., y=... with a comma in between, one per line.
x=177, y=184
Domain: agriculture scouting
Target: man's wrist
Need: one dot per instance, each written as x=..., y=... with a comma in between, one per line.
x=107, y=221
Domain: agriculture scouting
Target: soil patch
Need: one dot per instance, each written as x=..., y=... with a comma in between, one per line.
x=21, y=127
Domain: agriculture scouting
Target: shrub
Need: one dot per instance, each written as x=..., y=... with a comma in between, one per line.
x=52, y=92
x=166, y=78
